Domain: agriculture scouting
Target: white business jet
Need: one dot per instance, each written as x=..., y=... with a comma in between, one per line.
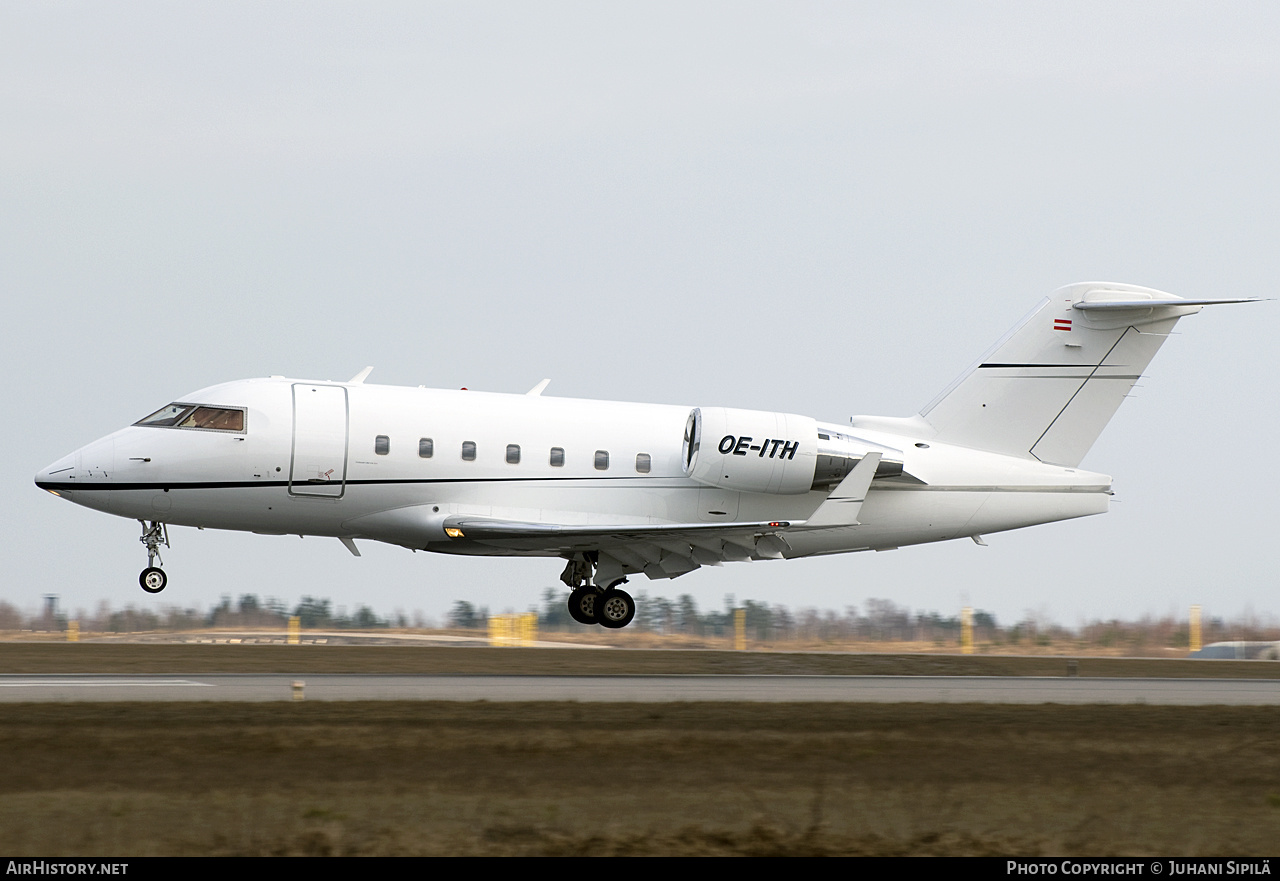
x=620, y=489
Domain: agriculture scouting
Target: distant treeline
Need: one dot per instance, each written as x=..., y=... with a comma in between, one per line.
x=883, y=621
x=248, y=611
x=878, y=620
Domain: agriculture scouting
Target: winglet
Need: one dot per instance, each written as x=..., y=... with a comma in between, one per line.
x=360, y=377
x=842, y=506
x=537, y=389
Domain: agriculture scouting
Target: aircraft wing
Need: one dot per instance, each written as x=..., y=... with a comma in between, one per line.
x=488, y=529
x=657, y=550
x=669, y=550
x=839, y=510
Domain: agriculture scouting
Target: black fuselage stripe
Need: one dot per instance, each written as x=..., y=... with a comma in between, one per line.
x=73, y=485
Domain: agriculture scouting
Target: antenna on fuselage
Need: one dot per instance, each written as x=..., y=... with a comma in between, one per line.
x=360, y=377
x=537, y=389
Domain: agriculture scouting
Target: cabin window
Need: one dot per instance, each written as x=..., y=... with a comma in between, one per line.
x=426, y=447
x=643, y=462
x=557, y=457
x=602, y=460
x=382, y=444
x=468, y=451
x=513, y=454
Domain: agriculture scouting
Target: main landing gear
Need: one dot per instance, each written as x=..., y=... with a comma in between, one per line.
x=590, y=603
x=153, y=579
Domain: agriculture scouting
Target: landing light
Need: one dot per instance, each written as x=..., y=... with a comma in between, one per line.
x=453, y=532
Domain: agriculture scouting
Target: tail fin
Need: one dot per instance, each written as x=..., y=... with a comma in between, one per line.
x=1049, y=386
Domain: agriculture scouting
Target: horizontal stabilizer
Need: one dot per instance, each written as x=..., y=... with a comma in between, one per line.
x=1120, y=305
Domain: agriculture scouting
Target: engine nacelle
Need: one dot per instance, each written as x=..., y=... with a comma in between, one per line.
x=751, y=450
x=754, y=451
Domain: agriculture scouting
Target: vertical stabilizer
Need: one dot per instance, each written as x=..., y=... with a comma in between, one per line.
x=1048, y=387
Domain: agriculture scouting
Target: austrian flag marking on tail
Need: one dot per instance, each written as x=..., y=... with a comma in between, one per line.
x=1062, y=324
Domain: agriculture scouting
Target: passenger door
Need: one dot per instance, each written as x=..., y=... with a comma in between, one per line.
x=318, y=465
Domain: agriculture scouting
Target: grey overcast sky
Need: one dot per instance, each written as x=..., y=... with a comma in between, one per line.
x=822, y=208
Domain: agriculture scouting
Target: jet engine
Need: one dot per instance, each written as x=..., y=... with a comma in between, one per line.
x=756, y=451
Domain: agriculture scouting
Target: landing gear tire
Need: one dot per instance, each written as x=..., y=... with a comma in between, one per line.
x=153, y=580
x=584, y=604
x=615, y=608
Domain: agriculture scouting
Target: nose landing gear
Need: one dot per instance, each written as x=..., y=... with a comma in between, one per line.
x=590, y=603
x=153, y=579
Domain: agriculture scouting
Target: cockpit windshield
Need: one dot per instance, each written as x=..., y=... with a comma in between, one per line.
x=166, y=415
x=196, y=416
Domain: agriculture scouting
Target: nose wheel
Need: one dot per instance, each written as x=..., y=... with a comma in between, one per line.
x=153, y=579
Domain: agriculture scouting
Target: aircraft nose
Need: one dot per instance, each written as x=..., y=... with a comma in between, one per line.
x=84, y=477
x=58, y=476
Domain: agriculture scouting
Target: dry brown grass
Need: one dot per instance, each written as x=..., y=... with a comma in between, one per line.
x=543, y=778
x=553, y=778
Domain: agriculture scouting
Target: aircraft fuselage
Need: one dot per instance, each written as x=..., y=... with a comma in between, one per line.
x=319, y=458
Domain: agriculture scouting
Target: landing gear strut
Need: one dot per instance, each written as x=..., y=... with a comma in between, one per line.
x=153, y=579
x=589, y=603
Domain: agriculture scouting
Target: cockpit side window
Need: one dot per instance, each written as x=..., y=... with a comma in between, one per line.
x=214, y=418
x=198, y=416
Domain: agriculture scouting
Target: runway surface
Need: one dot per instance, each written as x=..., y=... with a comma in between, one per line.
x=875, y=689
